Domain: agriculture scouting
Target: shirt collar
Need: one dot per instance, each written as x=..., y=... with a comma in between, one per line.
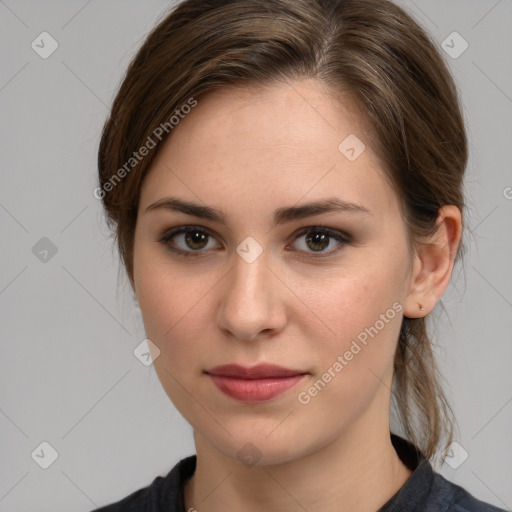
x=411, y=496
x=415, y=491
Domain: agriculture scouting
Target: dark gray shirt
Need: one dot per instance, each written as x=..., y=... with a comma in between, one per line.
x=424, y=491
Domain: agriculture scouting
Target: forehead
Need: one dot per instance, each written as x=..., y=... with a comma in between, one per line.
x=299, y=113
x=269, y=145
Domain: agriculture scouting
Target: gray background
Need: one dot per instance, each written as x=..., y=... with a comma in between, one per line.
x=68, y=373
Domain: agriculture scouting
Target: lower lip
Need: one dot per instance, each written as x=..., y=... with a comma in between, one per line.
x=255, y=390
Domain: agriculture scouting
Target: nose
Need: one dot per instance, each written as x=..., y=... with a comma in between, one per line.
x=252, y=300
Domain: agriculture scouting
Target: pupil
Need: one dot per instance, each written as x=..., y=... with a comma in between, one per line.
x=318, y=239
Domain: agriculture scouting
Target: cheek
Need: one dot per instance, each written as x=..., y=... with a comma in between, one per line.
x=172, y=305
x=356, y=363
x=349, y=304
x=362, y=318
x=171, y=308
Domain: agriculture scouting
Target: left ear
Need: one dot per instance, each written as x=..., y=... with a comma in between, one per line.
x=433, y=263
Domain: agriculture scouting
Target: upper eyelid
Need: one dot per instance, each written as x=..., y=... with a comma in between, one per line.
x=187, y=227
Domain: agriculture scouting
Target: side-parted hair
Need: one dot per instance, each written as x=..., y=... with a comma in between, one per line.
x=370, y=51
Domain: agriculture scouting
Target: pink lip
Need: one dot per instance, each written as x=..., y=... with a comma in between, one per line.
x=256, y=384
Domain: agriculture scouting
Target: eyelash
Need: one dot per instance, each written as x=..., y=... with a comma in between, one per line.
x=343, y=238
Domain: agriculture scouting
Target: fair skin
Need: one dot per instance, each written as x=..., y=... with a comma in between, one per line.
x=248, y=153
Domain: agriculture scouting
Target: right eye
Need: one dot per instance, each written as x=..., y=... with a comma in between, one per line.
x=187, y=240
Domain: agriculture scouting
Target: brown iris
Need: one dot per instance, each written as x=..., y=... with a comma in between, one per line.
x=318, y=239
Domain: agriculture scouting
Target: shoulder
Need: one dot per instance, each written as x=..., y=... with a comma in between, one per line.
x=137, y=501
x=454, y=498
x=429, y=491
x=164, y=494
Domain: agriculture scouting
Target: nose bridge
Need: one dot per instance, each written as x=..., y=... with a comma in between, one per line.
x=249, y=302
x=250, y=277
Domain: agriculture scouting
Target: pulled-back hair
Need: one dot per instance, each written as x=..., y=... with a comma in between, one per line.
x=370, y=51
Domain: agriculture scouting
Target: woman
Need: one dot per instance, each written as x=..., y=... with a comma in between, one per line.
x=284, y=178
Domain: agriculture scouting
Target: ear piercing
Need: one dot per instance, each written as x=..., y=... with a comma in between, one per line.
x=421, y=307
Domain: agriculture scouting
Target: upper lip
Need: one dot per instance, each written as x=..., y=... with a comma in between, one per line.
x=260, y=371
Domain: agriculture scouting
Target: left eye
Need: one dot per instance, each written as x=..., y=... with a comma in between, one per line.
x=319, y=239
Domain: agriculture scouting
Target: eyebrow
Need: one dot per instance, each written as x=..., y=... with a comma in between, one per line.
x=281, y=215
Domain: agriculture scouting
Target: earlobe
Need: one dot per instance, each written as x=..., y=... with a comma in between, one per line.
x=433, y=264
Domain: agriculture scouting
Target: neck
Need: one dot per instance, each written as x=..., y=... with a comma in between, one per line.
x=360, y=470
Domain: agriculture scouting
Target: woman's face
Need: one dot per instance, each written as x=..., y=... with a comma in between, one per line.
x=247, y=291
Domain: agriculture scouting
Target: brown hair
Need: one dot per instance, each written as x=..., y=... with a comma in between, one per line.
x=369, y=50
